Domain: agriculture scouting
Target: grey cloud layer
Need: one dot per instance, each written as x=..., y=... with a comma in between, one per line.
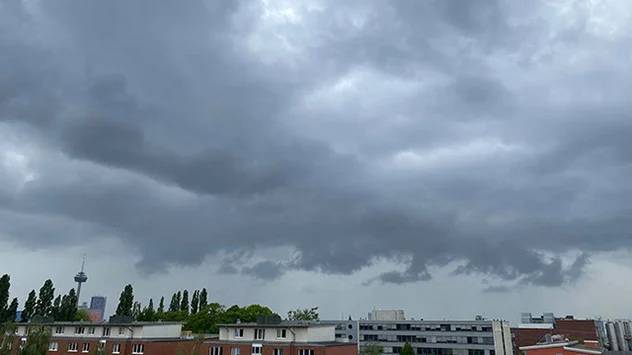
x=168, y=95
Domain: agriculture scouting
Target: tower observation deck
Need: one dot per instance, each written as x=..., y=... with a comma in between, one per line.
x=80, y=278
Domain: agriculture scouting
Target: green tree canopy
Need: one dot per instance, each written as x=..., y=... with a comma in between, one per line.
x=29, y=307
x=206, y=320
x=161, y=305
x=148, y=314
x=303, y=314
x=44, y=306
x=12, y=311
x=184, y=303
x=203, y=298
x=174, y=305
x=5, y=285
x=407, y=349
x=82, y=316
x=126, y=302
x=195, y=302
x=68, y=307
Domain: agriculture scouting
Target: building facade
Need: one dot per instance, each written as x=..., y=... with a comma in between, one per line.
x=281, y=338
x=446, y=337
x=136, y=338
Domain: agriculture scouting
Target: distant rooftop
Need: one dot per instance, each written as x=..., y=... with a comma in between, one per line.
x=82, y=323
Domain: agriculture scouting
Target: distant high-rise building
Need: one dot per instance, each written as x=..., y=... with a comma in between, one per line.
x=97, y=306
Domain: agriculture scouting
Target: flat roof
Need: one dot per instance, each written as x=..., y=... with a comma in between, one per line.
x=280, y=325
x=105, y=324
x=309, y=343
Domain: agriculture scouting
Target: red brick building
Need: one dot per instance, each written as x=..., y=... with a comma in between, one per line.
x=284, y=338
x=136, y=338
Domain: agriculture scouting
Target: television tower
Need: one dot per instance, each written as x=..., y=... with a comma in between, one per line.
x=80, y=278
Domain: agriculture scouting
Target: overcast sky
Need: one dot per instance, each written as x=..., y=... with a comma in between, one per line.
x=449, y=158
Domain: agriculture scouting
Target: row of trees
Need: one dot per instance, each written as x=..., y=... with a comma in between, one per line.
x=198, y=315
x=43, y=303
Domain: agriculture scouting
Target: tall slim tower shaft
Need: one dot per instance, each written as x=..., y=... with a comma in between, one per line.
x=80, y=278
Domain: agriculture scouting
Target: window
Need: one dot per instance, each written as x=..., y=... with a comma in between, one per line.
x=102, y=344
x=72, y=347
x=22, y=342
x=80, y=330
x=281, y=333
x=85, y=347
x=260, y=334
x=239, y=333
x=59, y=330
x=256, y=350
x=92, y=330
x=54, y=346
x=216, y=350
x=138, y=348
x=106, y=332
x=116, y=349
x=306, y=352
x=234, y=351
x=121, y=330
x=278, y=352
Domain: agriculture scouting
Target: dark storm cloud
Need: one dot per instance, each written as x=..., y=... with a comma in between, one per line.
x=196, y=146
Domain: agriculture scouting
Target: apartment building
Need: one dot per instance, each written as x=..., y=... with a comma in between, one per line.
x=274, y=337
x=428, y=337
x=126, y=338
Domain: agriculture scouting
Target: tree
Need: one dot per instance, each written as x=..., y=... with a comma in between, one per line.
x=160, y=313
x=57, y=308
x=174, y=305
x=44, y=306
x=68, y=307
x=246, y=314
x=195, y=302
x=205, y=321
x=372, y=349
x=12, y=311
x=82, y=316
x=7, y=337
x=148, y=313
x=303, y=314
x=136, y=310
x=37, y=341
x=184, y=303
x=407, y=349
x=5, y=285
x=29, y=307
x=203, y=298
x=126, y=302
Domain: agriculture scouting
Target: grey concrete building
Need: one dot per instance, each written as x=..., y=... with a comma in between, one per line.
x=429, y=337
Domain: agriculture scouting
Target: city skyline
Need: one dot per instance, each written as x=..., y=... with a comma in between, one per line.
x=442, y=157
